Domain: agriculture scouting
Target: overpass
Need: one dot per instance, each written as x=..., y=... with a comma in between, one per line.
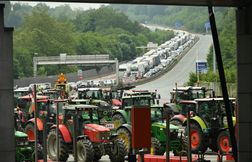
x=244, y=68
x=82, y=60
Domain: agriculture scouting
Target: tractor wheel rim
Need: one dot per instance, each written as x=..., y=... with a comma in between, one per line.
x=224, y=144
x=117, y=123
x=81, y=152
x=124, y=137
x=31, y=135
x=195, y=139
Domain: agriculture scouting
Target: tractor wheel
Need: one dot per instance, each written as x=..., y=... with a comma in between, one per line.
x=97, y=153
x=52, y=147
x=197, y=139
x=29, y=130
x=40, y=152
x=223, y=142
x=176, y=122
x=156, y=148
x=118, y=120
x=183, y=147
x=125, y=135
x=118, y=151
x=85, y=150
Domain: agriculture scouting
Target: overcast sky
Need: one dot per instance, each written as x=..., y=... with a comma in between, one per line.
x=84, y=6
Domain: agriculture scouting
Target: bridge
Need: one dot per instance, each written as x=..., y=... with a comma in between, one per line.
x=83, y=60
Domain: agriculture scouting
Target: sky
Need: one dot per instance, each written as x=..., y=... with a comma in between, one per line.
x=84, y=6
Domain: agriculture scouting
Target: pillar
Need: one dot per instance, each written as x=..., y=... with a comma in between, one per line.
x=244, y=69
x=7, y=138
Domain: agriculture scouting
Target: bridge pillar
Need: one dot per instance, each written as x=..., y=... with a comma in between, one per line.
x=7, y=138
x=244, y=72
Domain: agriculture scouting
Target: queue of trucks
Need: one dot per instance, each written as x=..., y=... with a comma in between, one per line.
x=157, y=59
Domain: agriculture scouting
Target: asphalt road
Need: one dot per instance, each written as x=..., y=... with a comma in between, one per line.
x=180, y=73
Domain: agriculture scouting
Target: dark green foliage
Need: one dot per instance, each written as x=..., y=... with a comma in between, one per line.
x=49, y=32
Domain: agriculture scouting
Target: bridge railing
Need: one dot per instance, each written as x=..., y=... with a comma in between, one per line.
x=71, y=58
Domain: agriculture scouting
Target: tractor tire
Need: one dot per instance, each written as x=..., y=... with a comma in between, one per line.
x=118, y=151
x=118, y=120
x=52, y=147
x=40, y=152
x=223, y=142
x=97, y=153
x=85, y=150
x=29, y=130
x=156, y=148
x=125, y=135
x=197, y=139
x=183, y=148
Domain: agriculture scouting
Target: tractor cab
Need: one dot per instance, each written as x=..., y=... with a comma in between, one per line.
x=212, y=111
x=90, y=93
x=187, y=93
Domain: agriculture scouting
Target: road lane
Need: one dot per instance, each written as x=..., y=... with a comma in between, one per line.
x=180, y=73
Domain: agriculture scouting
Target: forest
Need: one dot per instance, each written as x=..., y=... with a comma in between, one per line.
x=114, y=30
x=45, y=31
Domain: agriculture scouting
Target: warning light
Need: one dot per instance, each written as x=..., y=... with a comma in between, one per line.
x=61, y=78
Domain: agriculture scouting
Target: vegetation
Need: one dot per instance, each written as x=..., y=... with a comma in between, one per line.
x=228, y=50
x=186, y=18
x=43, y=31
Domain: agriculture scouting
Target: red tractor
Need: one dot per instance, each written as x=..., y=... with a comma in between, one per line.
x=92, y=141
x=46, y=117
x=25, y=108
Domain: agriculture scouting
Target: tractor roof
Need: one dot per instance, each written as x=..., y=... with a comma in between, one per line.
x=80, y=107
x=29, y=97
x=213, y=99
x=187, y=88
x=187, y=102
x=89, y=89
x=22, y=89
x=137, y=96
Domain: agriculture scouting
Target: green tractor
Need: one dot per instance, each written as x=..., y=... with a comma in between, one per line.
x=209, y=124
x=92, y=140
x=25, y=148
x=122, y=122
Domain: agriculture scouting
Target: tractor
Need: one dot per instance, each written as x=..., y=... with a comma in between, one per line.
x=24, y=147
x=25, y=108
x=122, y=122
x=92, y=140
x=25, y=150
x=209, y=124
x=187, y=93
x=46, y=115
x=95, y=95
x=62, y=87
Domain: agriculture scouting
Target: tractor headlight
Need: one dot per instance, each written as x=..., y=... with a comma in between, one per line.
x=104, y=135
x=22, y=141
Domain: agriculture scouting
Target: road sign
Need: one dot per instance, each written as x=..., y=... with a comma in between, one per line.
x=201, y=66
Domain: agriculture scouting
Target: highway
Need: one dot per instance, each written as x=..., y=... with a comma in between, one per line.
x=180, y=73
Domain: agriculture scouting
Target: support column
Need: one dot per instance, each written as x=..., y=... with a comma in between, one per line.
x=244, y=69
x=117, y=72
x=35, y=67
x=7, y=142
